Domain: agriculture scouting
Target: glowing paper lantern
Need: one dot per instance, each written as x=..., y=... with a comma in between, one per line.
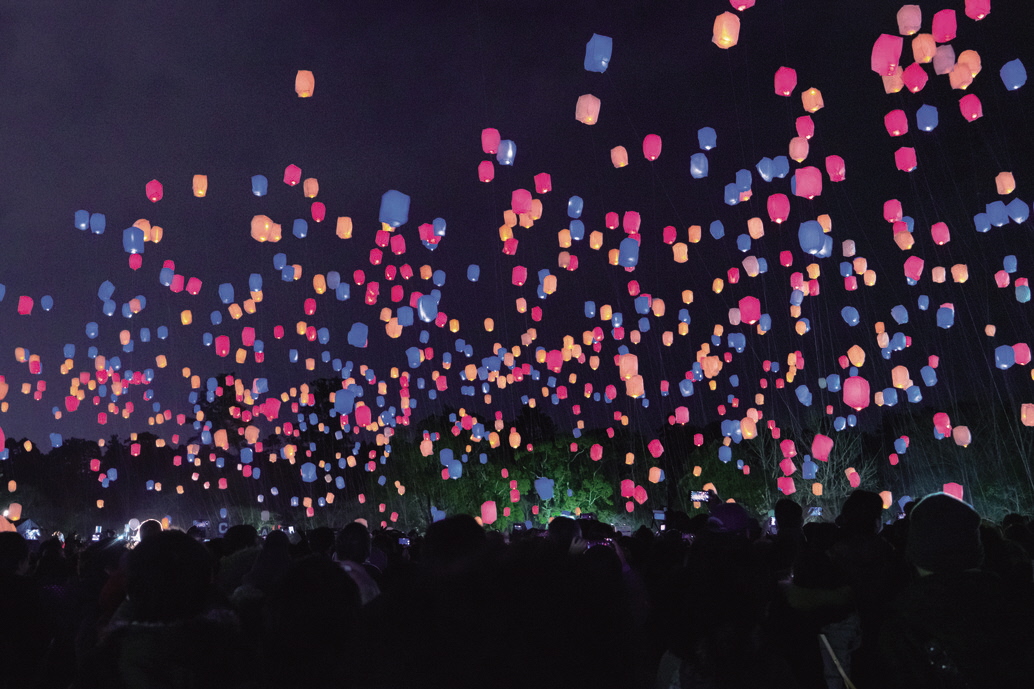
x=486, y=171
x=489, y=512
x=836, y=168
x=905, y=159
x=910, y=19
x=812, y=100
x=1013, y=74
x=394, y=209
x=292, y=175
x=886, y=54
x=304, y=83
x=927, y=118
x=808, y=182
x=490, y=140
x=971, y=107
x=651, y=147
x=726, y=31
x=200, y=185
x=785, y=81
x=944, y=26
x=978, y=9
x=778, y=208
x=856, y=393
x=597, y=53
x=896, y=122
x=821, y=446
x=587, y=109
x=155, y=191
x=924, y=47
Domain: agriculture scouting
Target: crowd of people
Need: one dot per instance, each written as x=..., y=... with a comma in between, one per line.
x=937, y=598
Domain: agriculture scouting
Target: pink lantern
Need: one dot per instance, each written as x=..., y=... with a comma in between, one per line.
x=486, y=171
x=520, y=201
x=750, y=310
x=652, y=146
x=627, y=488
x=914, y=268
x=519, y=275
x=1021, y=352
x=808, y=182
x=886, y=54
x=490, y=141
x=896, y=122
x=955, y=490
x=914, y=77
x=741, y=5
x=154, y=191
x=978, y=9
x=971, y=107
x=940, y=233
x=587, y=109
x=905, y=158
x=318, y=210
x=778, y=208
x=25, y=305
x=489, y=512
x=944, y=26
x=856, y=393
x=619, y=156
x=944, y=60
x=596, y=452
x=942, y=423
x=910, y=19
x=292, y=175
x=821, y=446
x=892, y=211
x=788, y=448
x=543, y=183
x=798, y=149
x=836, y=168
x=805, y=126
x=785, y=81
x=656, y=448
x=785, y=485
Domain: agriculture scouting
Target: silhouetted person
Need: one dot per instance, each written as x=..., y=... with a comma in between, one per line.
x=25, y=631
x=170, y=637
x=149, y=528
x=955, y=625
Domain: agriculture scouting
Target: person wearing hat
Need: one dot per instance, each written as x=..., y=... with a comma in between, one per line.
x=956, y=625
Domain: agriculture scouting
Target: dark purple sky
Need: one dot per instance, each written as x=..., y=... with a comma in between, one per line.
x=99, y=100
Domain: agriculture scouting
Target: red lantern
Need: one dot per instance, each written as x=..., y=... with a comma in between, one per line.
x=836, y=168
x=896, y=122
x=971, y=107
x=914, y=77
x=486, y=171
x=490, y=141
x=944, y=26
x=905, y=158
x=978, y=9
x=778, y=208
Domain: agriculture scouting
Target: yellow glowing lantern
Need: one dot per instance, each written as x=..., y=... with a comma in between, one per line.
x=200, y=185
x=304, y=83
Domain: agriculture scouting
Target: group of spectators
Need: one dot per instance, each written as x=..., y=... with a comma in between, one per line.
x=937, y=598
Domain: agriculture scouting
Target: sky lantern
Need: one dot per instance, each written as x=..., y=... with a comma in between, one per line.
x=785, y=81
x=893, y=83
x=200, y=185
x=587, y=109
x=726, y=31
x=486, y=171
x=910, y=19
x=811, y=100
x=490, y=140
x=304, y=83
x=750, y=310
x=394, y=209
x=971, y=107
x=597, y=53
x=978, y=9
x=944, y=26
x=886, y=54
x=619, y=156
x=1013, y=74
x=856, y=393
x=292, y=175
x=905, y=159
x=914, y=77
x=836, y=168
x=778, y=208
x=808, y=182
x=924, y=47
x=740, y=5
x=489, y=512
x=651, y=147
x=896, y=122
x=543, y=183
x=821, y=446
x=155, y=191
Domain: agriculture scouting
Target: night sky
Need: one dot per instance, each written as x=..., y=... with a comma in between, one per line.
x=99, y=99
